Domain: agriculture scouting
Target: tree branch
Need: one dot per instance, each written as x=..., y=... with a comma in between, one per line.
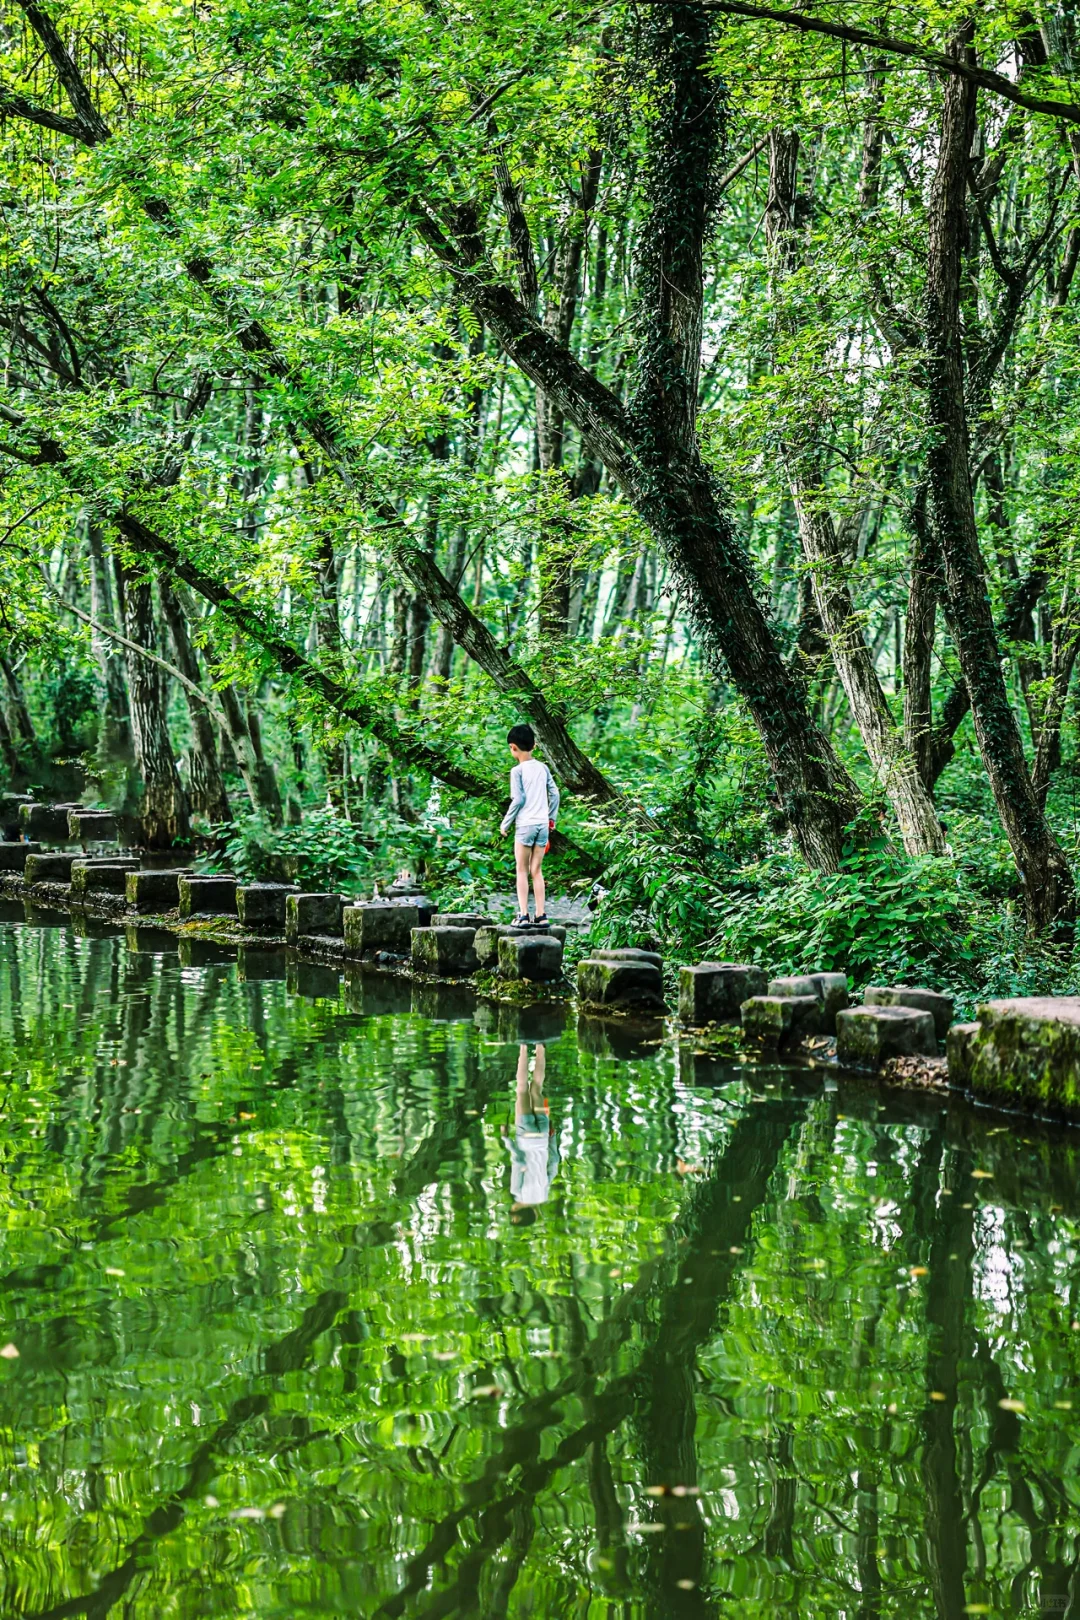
x=996, y=83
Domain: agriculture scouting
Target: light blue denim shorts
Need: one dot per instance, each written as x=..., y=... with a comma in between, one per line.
x=532, y=835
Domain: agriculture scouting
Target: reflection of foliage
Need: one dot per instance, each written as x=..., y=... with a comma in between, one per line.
x=268, y=1299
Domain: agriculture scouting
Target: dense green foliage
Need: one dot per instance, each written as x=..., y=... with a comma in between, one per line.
x=230, y=315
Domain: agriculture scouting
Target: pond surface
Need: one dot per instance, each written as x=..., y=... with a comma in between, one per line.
x=312, y=1307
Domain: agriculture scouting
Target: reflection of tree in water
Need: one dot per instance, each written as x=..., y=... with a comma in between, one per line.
x=308, y=1208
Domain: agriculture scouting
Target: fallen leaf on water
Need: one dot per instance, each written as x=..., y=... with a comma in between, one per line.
x=247, y=1513
x=685, y=1490
x=684, y=1527
x=1008, y=1405
x=685, y=1169
x=9, y=1353
x=686, y=1586
x=247, y=1116
x=648, y=1529
x=604, y=1563
x=1063, y=1406
x=415, y=1338
x=982, y=1175
x=920, y=1271
x=446, y=1355
x=488, y=1389
x=113, y=1271
x=938, y=1395
x=736, y=1250
x=892, y=1408
x=210, y=1501
x=977, y=1608
x=277, y=1511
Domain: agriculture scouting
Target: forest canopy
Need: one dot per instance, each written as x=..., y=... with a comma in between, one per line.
x=696, y=380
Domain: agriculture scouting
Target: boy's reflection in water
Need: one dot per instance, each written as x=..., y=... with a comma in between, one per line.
x=534, y=1153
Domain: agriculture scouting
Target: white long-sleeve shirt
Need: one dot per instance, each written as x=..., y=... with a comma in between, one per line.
x=534, y=798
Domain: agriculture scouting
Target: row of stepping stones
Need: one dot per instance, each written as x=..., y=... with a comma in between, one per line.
x=403, y=924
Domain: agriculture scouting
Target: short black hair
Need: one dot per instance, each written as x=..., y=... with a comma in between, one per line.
x=523, y=736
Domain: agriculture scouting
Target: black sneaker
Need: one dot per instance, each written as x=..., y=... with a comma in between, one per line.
x=541, y=922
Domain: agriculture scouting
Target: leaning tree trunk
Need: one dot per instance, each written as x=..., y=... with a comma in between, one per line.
x=164, y=813
x=1048, y=887
x=115, y=735
x=894, y=767
x=675, y=491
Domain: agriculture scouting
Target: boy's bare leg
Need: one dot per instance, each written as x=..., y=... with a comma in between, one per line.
x=539, y=1070
x=521, y=861
x=539, y=886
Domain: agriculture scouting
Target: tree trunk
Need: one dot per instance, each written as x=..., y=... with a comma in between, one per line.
x=207, y=788
x=115, y=735
x=919, y=642
x=164, y=811
x=893, y=765
x=1048, y=888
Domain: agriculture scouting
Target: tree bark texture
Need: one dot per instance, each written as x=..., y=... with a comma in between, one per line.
x=207, y=788
x=115, y=735
x=893, y=765
x=1048, y=888
x=164, y=810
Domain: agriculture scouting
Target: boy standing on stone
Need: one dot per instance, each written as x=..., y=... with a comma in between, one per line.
x=534, y=804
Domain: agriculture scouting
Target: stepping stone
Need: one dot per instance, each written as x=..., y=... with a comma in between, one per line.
x=49, y=867
x=262, y=905
x=447, y=951
x=13, y=855
x=85, y=926
x=1025, y=1054
x=373, y=925
x=626, y=983
x=111, y=876
x=618, y=1039
x=535, y=956
x=260, y=963
x=940, y=1007
x=377, y=995
x=312, y=914
x=443, y=1003
x=486, y=943
x=153, y=891
x=777, y=1020
x=404, y=887
x=461, y=919
x=867, y=1036
x=509, y=1021
x=207, y=896
x=713, y=991
x=960, y=1052
x=88, y=826
x=10, y=805
x=46, y=821
x=830, y=989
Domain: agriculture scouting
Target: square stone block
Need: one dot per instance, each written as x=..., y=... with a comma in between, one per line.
x=49, y=867
x=372, y=925
x=633, y=984
x=867, y=1036
x=486, y=942
x=151, y=941
x=49, y=822
x=86, y=826
x=960, y=1051
x=111, y=876
x=153, y=891
x=777, y=1020
x=312, y=914
x=207, y=896
x=10, y=805
x=262, y=905
x=829, y=988
x=461, y=919
x=530, y=956
x=447, y=951
x=940, y=1007
x=13, y=855
x=712, y=991
x=1027, y=1054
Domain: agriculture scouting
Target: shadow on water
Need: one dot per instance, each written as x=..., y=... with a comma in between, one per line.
x=334, y=1294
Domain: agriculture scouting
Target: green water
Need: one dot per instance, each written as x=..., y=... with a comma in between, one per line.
x=289, y=1344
